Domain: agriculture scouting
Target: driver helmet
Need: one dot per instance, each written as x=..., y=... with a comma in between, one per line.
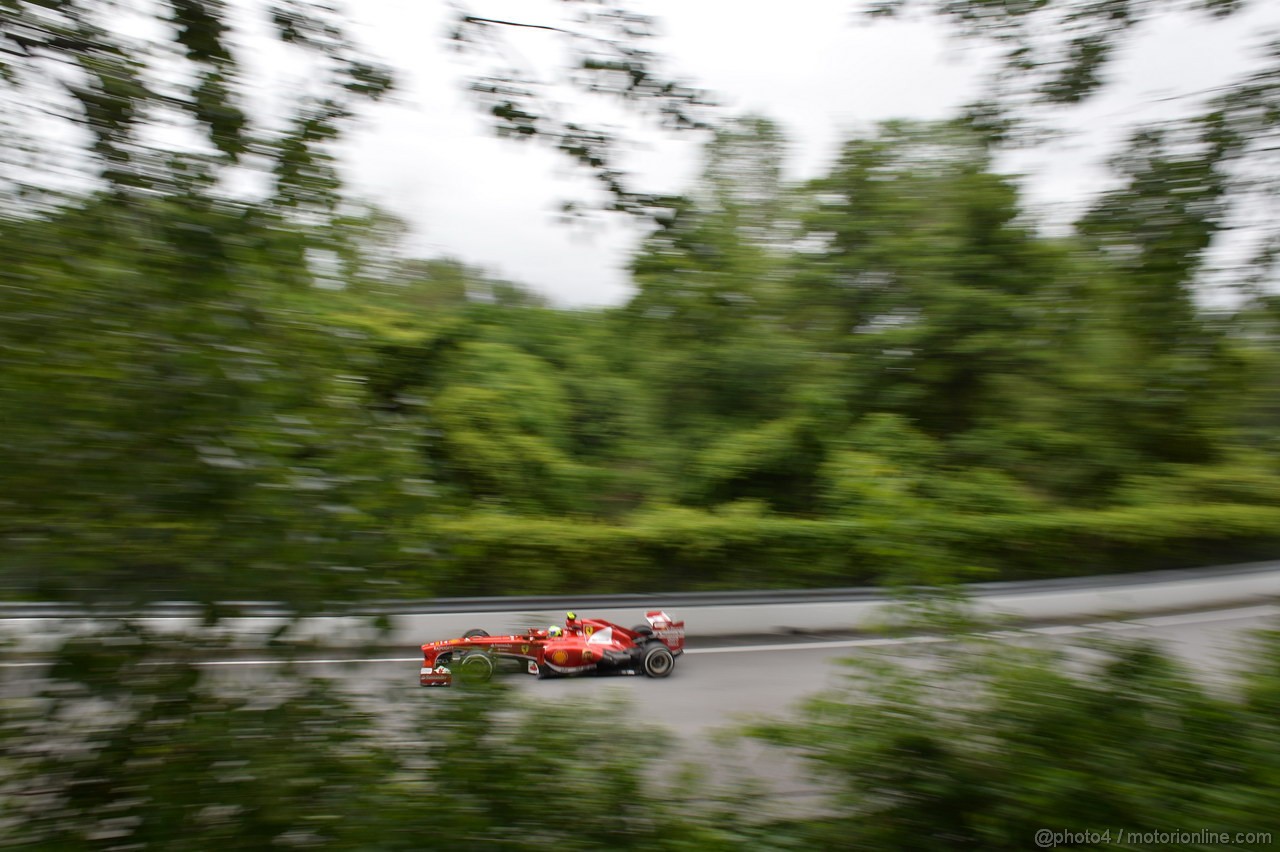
x=570, y=619
x=555, y=631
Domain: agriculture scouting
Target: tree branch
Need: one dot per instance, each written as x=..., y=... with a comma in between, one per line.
x=472, y=19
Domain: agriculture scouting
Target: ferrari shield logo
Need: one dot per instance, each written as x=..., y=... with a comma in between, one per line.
x=524, y=649
x=589, y=629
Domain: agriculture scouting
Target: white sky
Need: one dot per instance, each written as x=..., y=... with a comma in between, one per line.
x=808, y=65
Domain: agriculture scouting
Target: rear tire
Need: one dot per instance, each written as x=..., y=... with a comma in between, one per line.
x=642, y=629
x=656, y=660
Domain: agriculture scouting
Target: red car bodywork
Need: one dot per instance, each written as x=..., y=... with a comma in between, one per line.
x=588, y=645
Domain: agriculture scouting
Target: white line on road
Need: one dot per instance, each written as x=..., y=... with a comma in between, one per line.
x=1264, y=611
x=804, y=646
x=1062, y=629
x=416, y=659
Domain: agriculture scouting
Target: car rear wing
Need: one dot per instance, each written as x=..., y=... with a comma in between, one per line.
x=671, y=632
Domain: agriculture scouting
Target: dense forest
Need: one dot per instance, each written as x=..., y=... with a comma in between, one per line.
x=884, y=374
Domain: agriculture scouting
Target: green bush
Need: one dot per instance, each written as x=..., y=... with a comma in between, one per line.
x=1082, y=542
x=742, y=548
x=667, y=550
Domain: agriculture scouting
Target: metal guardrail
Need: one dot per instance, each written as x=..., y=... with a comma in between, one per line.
x=681, y=600
x=35, y=629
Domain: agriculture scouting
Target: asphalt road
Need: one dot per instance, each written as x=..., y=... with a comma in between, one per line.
x=716, y=684
x=719, y=683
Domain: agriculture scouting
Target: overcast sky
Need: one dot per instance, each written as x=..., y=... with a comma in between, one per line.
x=809, y=65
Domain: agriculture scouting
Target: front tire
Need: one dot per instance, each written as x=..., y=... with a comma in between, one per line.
x=475, y=668
x=471, y=634
x=657, y=660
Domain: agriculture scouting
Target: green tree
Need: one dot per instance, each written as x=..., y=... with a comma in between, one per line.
x=915, y=272
x=503, y=418
x=177, y=417
x=721, y=370
x=714, y=267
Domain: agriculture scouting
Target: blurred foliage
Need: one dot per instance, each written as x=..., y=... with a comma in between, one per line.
x=101, y=68
x=129, y=743
x=605, y=54
x=1057, y=51
x=128, y=740
x=174, y=419
x=1051, y=56
x=982, y=745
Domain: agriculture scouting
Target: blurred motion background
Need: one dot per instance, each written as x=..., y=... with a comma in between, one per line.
x=229, y=373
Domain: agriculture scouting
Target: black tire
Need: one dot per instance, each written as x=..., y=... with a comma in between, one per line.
x=643, y=630
x=476, y=667
x=656, y=660
x=471, y=634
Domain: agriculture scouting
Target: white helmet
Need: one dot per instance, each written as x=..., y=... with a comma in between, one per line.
x=555, y=631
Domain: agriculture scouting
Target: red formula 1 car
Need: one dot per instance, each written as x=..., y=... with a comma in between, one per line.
x=582, y=646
